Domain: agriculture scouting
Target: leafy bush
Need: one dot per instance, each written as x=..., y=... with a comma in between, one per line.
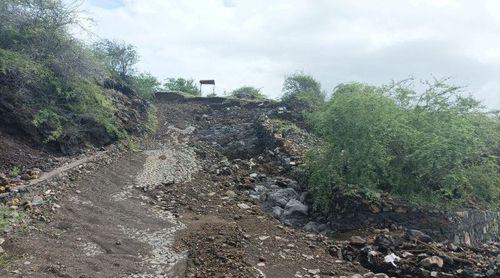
x=187, y=86
x=146, y=85
x=302, y=88
x=428, y=147
x=247, y=92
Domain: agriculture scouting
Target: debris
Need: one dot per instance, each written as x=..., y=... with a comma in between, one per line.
x=392, y=258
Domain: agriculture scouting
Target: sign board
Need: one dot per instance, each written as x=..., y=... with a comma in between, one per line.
x=207, y=82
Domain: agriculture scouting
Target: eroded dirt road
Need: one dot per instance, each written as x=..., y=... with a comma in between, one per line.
x=178, y=208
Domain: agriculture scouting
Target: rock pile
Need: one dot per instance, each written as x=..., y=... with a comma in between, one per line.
x=412, y=253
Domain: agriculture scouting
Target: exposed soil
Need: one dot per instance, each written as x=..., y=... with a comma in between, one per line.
x=160, y=213
x=183, y=206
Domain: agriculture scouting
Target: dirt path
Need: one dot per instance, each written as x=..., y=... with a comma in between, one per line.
x=179, y=208
x=106, y=226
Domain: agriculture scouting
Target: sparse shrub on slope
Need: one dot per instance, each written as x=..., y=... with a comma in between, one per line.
x=247, y=92
x=436, y=147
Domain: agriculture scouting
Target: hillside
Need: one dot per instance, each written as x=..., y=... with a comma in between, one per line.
x=106, y=171
x=212, y=194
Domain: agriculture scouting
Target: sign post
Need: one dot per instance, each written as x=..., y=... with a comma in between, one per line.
x=208, y=82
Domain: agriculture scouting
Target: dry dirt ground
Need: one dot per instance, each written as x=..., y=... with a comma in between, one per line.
x=176, y=208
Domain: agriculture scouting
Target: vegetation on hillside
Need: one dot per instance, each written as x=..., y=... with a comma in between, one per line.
x=184, y=85
x=54, y=88
x=247, y=92
x=302, y=89
x=435, y=147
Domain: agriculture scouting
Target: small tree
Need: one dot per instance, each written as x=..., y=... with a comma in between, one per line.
x=304, y=88
x=146, y=85
x=247, y=92
x=187, y=86
x=120, y=57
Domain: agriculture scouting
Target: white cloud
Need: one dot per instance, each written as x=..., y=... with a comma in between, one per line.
x=258, y=42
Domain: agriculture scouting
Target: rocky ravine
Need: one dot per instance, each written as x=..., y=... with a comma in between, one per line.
x=217, y=193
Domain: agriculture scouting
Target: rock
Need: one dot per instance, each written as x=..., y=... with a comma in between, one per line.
x=277, y=212
x=357, y=241
x=34, y=173
x=243, y=206
x=1, y=250
x=254, y=175
x=381, y=275
x=357, y=276
x=384, y=242
x=434, y=274
x=314, y=271
x=4, y=180
x=311, y=226
x=231, y=194
x=406, y=254
x=261, y=264
x=432, y=261
x=295, y=208
x=37, y=200
x=417, y=235
x=2, y=240
x=282, y=197
x=368, y=275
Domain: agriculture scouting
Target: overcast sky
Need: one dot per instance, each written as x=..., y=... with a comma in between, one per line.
x=258, y=42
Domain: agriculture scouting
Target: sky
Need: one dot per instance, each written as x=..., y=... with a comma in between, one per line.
x=260, y=42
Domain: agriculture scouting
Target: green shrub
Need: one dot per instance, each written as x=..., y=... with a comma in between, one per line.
x=247, y=92
x=302, y=88
x=437, y=145
x=187, y=86
x=146, y=85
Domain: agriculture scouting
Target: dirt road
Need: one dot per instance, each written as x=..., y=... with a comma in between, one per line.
x=177, y=208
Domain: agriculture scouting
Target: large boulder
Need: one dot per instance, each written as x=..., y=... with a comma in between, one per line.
x=295, y=208
x=282, y=197
x=294, y=214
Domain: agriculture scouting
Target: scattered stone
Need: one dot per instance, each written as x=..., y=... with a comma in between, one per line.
x=243, y=206
x=357, y=241
x=4, y=180
x=231, y=194
x=406, y=254
x=37, y=200
x=432, y=261
x=417, y=235
x=314, y=271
